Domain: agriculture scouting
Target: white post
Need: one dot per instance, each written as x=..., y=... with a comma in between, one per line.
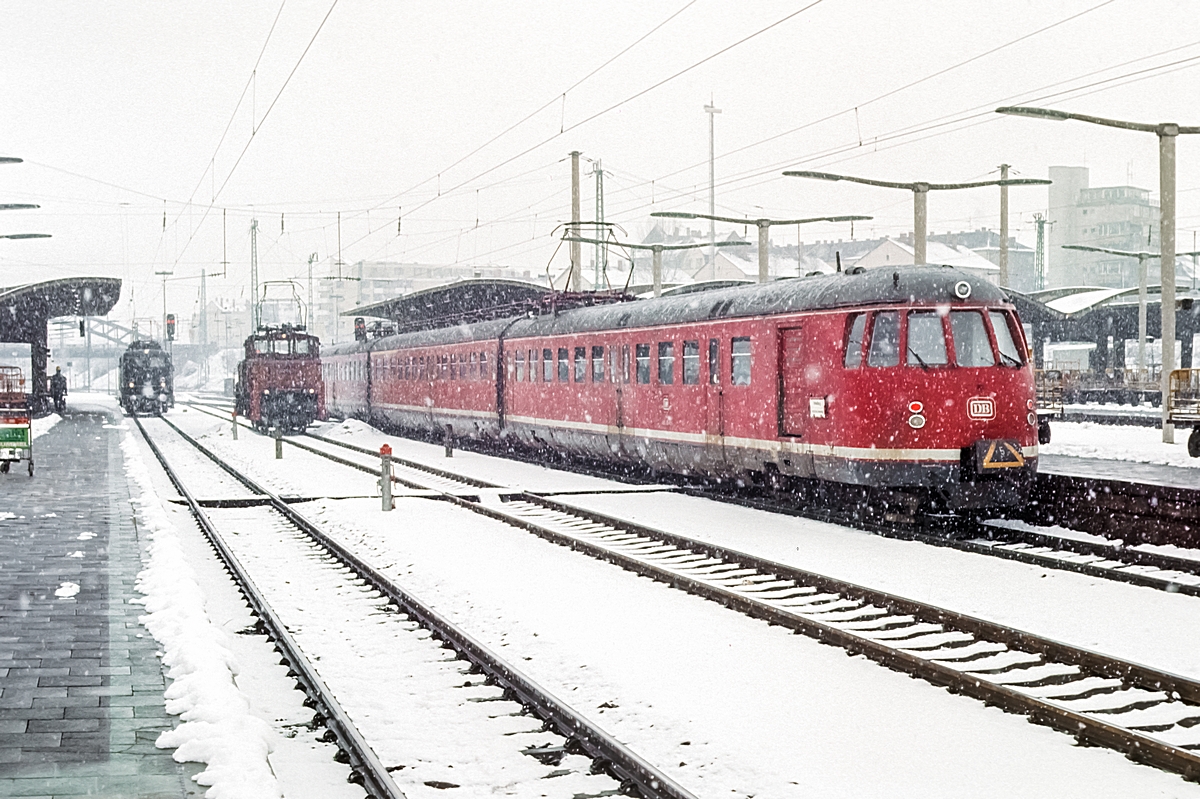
x=385, y=477
x=1141, y=356
x=573, y=283
x=920, y=220
x=657, y=262
x=763, y=261
x=1166, y=235
x=712, y=112
x=1003, y=226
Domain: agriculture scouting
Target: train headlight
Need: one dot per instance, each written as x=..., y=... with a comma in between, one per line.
x=1032, y=420
x=916, y=421
x=1029, y=404
x=266, y=391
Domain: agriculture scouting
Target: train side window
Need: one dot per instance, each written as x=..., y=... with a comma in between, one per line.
x=739, y=361
x=547, y=366
x=714, y=361
x=691, y=362
x=484, y=374
x=597, y=364
x=564, y=365
x=643, y=363
x=580, y=364
x=625, y=364
x=926, y=339
x=533, y=366
x=971, y=344
x=856, y=329
x=520, y=366
x=474, y=366
x=1010, y=353
x=666, y=362
x=454, y=366
x=885, y=339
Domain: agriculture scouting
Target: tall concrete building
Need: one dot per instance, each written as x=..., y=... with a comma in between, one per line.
x=1118, y=217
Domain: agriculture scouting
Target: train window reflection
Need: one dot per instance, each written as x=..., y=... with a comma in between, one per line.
x=666, y=362
x=926, y=340
x=971, y=344
x=580, y=364
x=885, y=340
x=854, y=340
x=739, y=371
x=691, y=362
x=1010, y=353
x=643, y=363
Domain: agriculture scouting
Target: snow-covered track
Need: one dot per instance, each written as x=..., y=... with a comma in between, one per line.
x=632, y=773
x=365, y=766
x=1150, y=715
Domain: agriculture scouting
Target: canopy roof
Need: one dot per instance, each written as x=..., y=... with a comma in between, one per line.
x=25, y=308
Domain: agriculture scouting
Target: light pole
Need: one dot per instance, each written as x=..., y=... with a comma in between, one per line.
x=1166, y=132
x=1142, y=257
x=657, y=249
x=712, y=111
x=163, y=319
x=763, y=226
x=920, y=190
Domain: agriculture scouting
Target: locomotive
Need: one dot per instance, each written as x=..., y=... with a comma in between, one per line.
x=279, y=380
x=914, y=381
x=147, y=379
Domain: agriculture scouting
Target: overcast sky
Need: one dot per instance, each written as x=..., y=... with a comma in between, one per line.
x=121, y=115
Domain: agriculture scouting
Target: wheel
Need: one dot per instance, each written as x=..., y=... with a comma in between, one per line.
x=1194, y=443
x=4, y=467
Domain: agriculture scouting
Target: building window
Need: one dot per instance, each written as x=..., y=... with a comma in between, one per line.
x=739, y=364
x=643, y=363
x=548, y=366
x=597, y=364
x=691, y=362
x=580, y=364
x=666, y=362
x=564, y=365
x=714, y=361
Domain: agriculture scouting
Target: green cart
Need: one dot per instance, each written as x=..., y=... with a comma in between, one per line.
x=16, y=436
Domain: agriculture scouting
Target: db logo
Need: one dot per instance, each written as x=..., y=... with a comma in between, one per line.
x=981, y=408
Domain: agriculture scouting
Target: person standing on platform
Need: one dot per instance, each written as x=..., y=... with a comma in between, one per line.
x=58, y=390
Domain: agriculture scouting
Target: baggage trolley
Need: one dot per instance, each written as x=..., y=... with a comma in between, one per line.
x=16, y=435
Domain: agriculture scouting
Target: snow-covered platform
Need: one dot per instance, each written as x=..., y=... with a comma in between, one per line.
x=1119, y=452
x=82, y=687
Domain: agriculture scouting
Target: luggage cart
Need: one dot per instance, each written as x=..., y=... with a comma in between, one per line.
x=1183, y=405
x=16, y=435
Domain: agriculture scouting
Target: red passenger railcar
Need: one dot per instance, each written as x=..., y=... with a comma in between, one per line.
x=279, y=381
x=914, y=380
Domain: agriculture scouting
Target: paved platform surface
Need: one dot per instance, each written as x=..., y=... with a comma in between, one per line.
x=1127, y=471
x=81, y=690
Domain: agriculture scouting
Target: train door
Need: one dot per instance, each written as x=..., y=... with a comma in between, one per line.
x=714, y=395
x=795, y=404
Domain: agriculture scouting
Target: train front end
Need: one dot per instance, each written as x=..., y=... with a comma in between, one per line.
x=279, y=382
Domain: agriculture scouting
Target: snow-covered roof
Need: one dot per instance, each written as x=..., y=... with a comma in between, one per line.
x=1081, y=301
x=896, y=253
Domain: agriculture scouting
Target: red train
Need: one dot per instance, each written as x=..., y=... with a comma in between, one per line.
x=279, y=381
x=915, y=381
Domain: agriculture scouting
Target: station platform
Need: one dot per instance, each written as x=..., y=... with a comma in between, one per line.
x=1126, y=471
x=81, y=688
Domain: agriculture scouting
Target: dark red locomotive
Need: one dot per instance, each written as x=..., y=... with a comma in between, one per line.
x=279, y=382
x=914, y=380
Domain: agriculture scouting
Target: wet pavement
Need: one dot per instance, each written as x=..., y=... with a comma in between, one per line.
x=81, y=687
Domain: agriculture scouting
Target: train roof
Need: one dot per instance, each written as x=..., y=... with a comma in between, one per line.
x=905, y=284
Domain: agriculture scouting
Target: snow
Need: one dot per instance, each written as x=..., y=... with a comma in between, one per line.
x=67, y=590
x=1118, y=442
x=735, y=702
x=218, y=728
x=39, y=427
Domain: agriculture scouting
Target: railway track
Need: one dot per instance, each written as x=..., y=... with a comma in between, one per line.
x=328, y=562
x=1150, y=715
x=1118, y=561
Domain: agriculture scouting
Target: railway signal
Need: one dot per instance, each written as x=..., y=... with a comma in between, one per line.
x=170, y=327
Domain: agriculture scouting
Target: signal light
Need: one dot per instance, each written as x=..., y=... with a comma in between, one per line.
x=81, y=333
x=170, y=327
x=360, y=329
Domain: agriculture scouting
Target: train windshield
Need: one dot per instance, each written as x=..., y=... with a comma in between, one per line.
x=971, y=344
x=1010, y=353
x=150, y=360
x=284, y=346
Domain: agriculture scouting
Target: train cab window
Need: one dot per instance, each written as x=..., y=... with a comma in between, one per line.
x=885, y=340
x=691, y=363
x=714, y=361
x=739, y=361
x=564, y=365
x=547, y=366
x=926, y=339
x=1010, y=353
x=666, y=362
x=643, y=363
x=533, y=366
x=597, y=364
x=580, y=364
x=262, y=345
x=856, y=329
x=301, y=346
x=520, y=366
x=971, y=344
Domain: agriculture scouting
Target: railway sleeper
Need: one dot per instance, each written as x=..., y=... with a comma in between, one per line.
x=1085, y=688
